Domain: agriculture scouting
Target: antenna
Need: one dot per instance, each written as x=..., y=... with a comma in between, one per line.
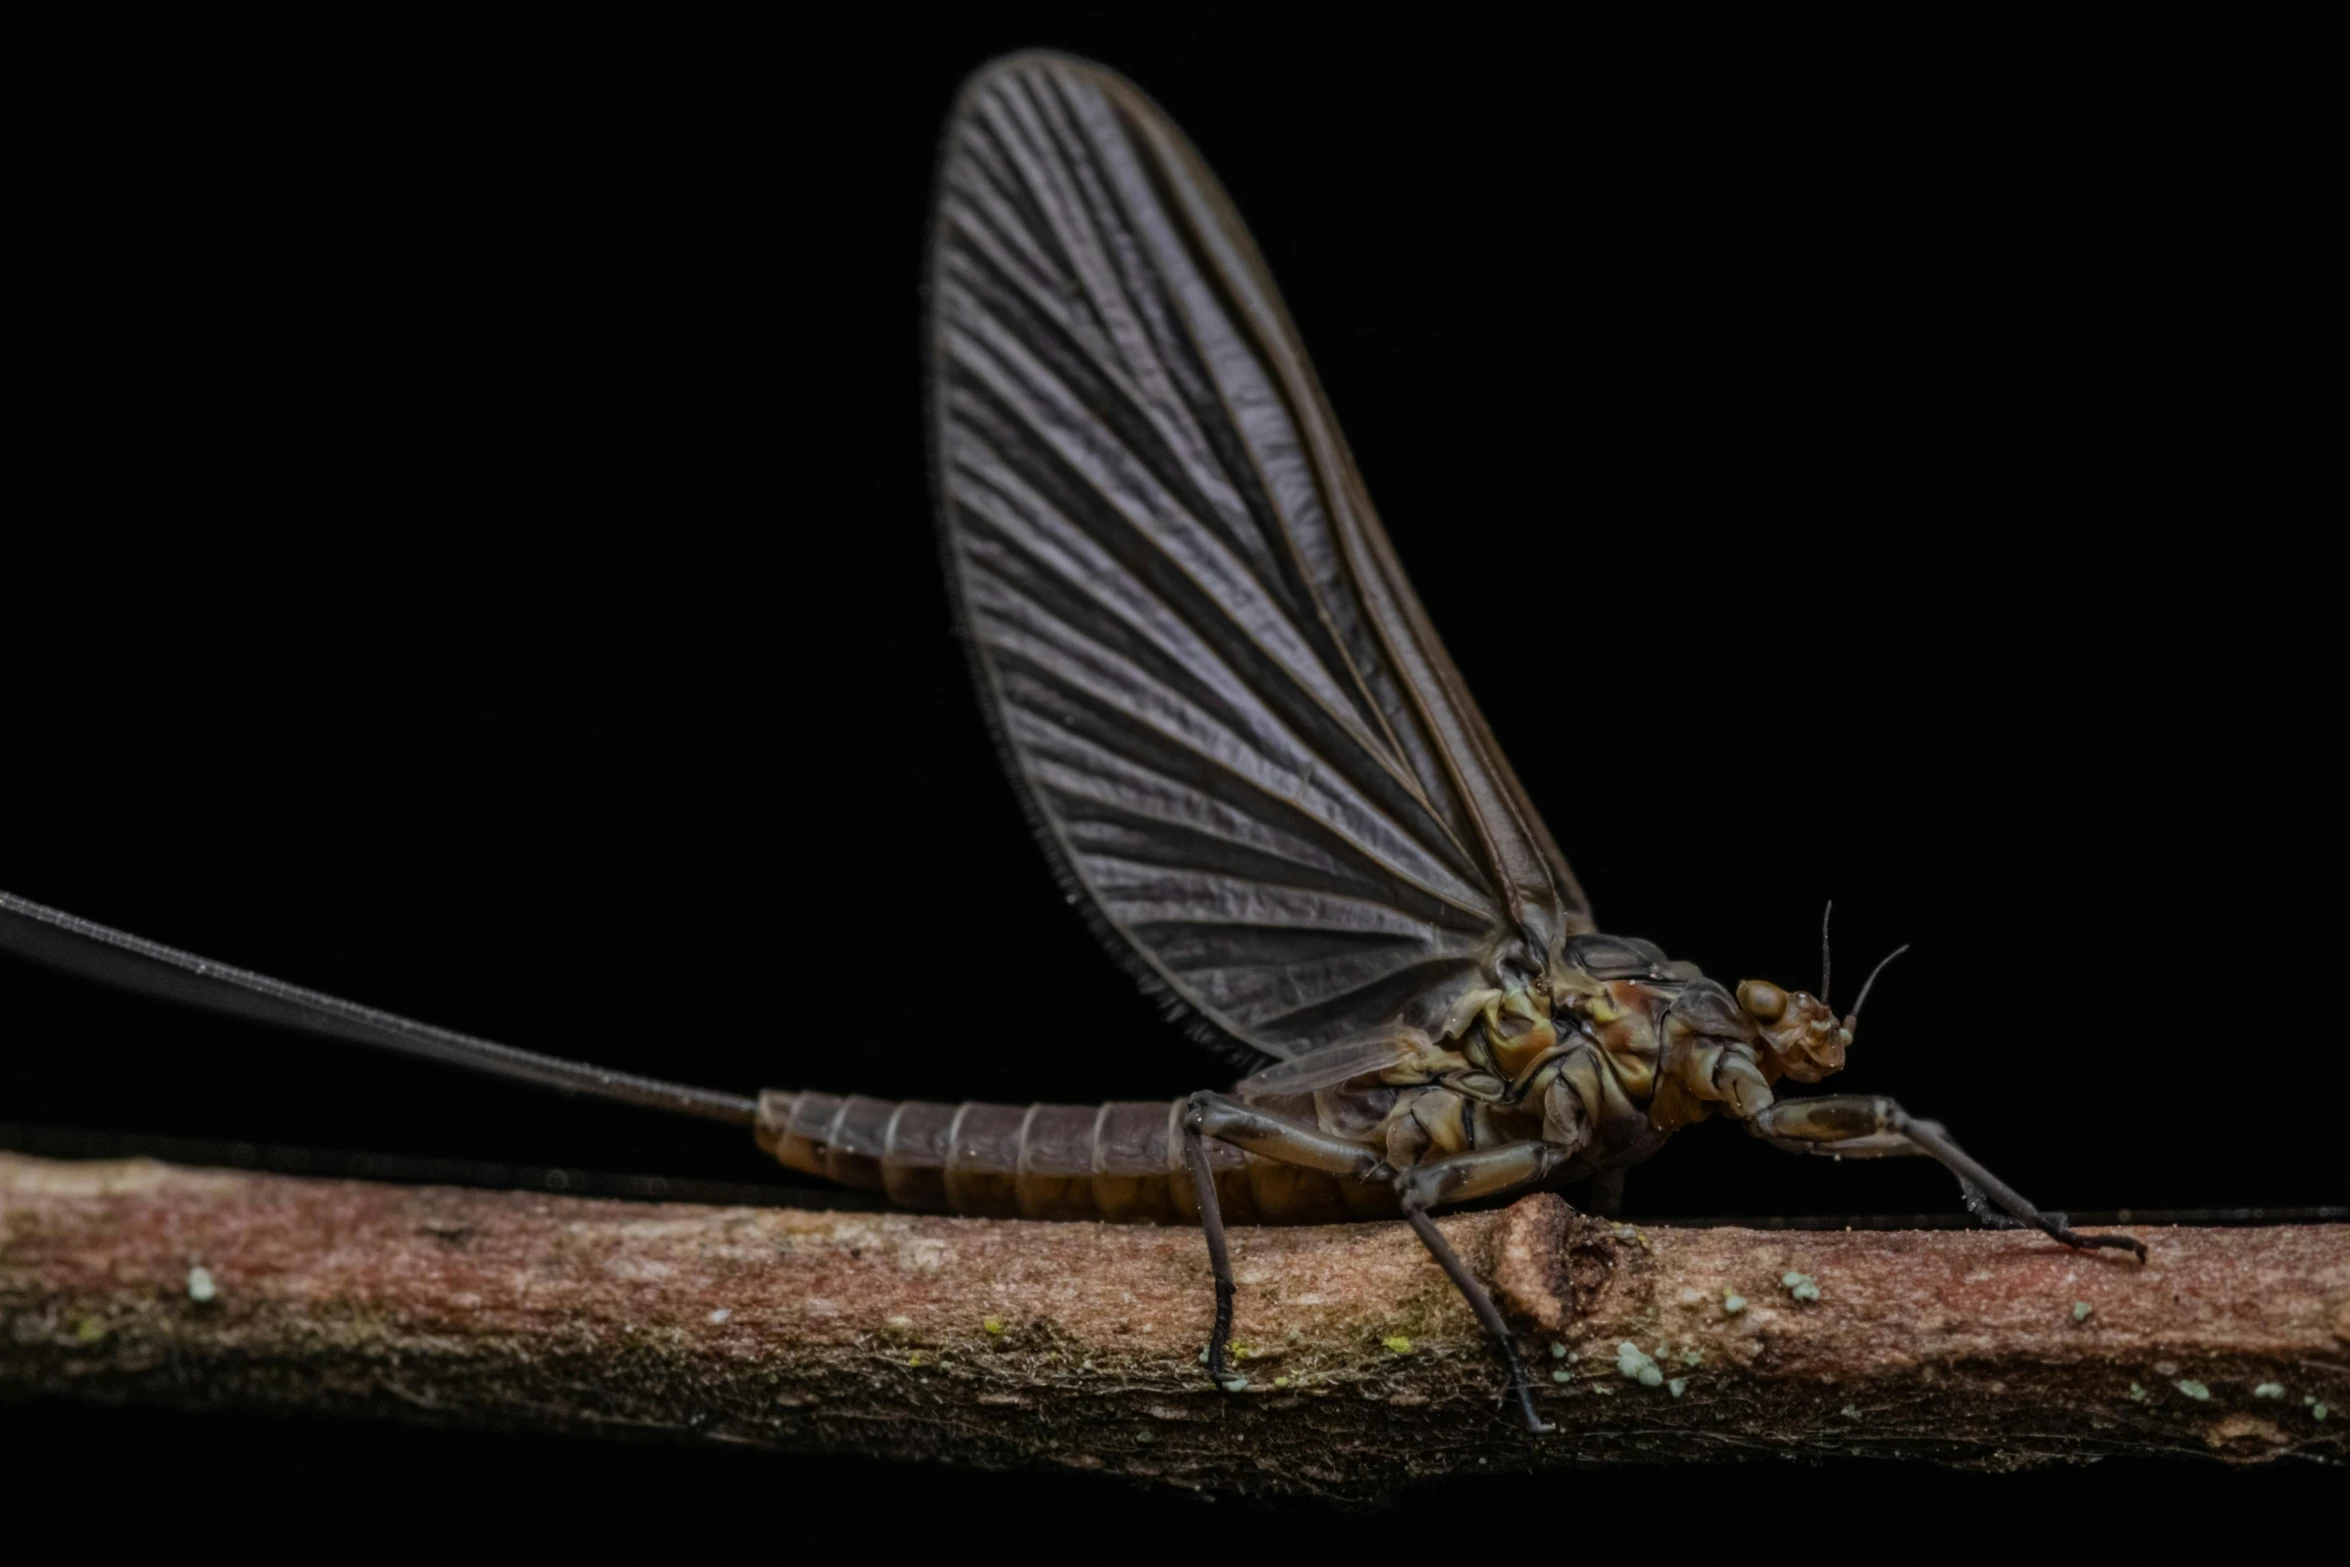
x=1826, y=915
x=1854, y=1016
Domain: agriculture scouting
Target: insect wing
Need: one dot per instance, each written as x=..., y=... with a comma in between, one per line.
x=1325, y=1066
x=1225, y=708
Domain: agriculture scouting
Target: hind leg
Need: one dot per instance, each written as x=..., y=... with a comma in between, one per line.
x=1271, y=1136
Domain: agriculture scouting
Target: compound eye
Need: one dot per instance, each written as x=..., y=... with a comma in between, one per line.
x=1764, y=1002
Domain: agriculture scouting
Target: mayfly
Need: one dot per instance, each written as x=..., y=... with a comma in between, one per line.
x=1248, y=756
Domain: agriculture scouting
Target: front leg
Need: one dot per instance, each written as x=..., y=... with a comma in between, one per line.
x=1862, y=1126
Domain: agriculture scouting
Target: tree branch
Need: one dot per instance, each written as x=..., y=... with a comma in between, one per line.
x=1016, y=1344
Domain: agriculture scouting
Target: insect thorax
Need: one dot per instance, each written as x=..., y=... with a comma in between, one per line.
x=1610, y=1049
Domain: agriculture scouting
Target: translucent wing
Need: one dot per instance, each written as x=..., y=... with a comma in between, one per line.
x=1227, y=712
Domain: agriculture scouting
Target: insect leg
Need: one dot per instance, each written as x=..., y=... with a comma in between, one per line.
x=1270, y=1136
x=1862, y=1126
x=1480, y=1172
x=1282, y=1139
x=1211, y=1220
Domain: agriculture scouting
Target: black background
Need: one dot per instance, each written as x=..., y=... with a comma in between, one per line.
x=470, y=552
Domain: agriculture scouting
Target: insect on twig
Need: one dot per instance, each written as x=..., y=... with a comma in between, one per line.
x=1251, y=761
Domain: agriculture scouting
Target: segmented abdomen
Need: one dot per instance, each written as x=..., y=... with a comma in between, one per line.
x=1121, y=1161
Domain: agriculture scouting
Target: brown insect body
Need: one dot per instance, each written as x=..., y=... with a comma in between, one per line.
x=1121, y=1162
x=1599, y=1070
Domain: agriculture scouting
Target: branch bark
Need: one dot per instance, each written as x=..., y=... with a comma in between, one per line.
x=1019, y=1344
